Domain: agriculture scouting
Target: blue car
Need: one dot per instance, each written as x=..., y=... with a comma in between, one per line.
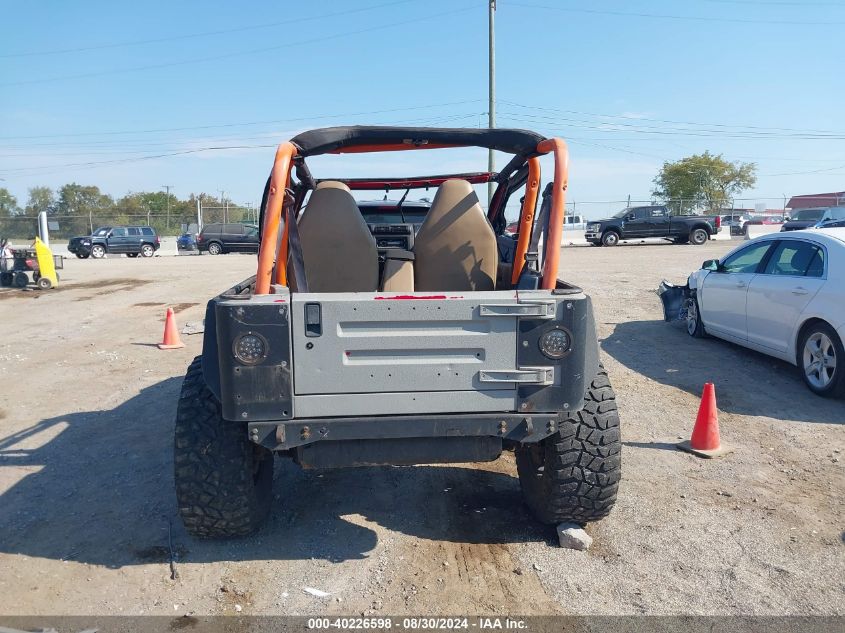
x=186, y=242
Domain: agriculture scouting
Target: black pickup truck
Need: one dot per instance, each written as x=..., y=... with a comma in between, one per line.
x=635, y=223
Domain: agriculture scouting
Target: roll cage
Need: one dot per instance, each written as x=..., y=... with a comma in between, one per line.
x=523, y=169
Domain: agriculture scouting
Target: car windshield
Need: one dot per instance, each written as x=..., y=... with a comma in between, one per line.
x=808, y=215
x=101, y=232
x=391, y=215
x=622, y=213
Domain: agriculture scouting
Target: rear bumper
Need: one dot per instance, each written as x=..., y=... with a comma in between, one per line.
x=289, y=434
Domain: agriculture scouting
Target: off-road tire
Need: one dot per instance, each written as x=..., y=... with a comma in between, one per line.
x=699, y=237
x=573, y=475
x=610, y=238
x=215, y=248
x=223, y=481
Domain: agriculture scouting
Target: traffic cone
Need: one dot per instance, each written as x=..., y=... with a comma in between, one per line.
x=171, y=333
x=705, y=441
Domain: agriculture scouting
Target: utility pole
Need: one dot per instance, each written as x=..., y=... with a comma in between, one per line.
x=226, y=208
x=199, y=213
x=168, y=188
x=491, y=106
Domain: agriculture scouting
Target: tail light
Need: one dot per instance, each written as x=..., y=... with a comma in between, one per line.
x=718, y=221
x=158, y=239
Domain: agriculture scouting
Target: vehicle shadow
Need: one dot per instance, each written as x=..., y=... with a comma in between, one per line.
x=97, y=487
x=747, y=382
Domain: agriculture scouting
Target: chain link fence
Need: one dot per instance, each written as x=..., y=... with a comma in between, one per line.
x=64, y=227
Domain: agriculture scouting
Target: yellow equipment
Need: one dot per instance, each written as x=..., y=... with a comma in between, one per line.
x=47, y=277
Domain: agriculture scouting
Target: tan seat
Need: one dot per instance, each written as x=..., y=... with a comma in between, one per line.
x=455, y=247
x=338, y=250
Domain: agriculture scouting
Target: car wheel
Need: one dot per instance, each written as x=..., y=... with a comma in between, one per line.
x=610, y=238
x=20, y=280
x=98, y=252
x=44, y=283
x=695, y=327
x=214, y=248
x=699, y=237
x=147, y=250
x=224, y=482
x=821, y=358
x=574, y=474
x=6, y=279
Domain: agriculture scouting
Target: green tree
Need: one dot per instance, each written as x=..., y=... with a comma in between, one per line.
x=703, y=181
x=8, y=204
x=84, y=207
x=40, y=199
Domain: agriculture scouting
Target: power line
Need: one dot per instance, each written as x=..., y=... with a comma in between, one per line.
x=243, y=124
x=652, y=120
x=254, y=51
x=664, y=16
x=175, y=38
x=138, y=159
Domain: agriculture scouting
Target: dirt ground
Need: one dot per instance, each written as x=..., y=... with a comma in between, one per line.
x=86, y=493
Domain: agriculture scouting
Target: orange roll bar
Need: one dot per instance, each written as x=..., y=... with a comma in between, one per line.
x=526, y=220
x=556, y=217
x=279, y=179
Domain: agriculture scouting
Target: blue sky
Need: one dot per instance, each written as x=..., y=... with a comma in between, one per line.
x=95, y=91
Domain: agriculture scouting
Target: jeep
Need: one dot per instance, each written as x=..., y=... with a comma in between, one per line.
x=454, y=350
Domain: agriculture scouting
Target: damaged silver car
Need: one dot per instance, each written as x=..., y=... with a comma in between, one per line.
x=779, y=294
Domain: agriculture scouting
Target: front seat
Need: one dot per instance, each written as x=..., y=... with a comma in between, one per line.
x=455, y=248
x=338, y=251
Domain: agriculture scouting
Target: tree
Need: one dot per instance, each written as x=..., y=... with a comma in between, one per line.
x=40, y=199
x=703, y=181
x=87, y=206
x=8, y=204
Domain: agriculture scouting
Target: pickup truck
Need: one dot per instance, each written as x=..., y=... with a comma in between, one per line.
x=635, y=223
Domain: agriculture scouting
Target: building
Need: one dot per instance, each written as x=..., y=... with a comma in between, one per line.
x=834, y=199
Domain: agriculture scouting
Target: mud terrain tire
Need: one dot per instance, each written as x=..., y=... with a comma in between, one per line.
x=574, y=474
x=223, y=481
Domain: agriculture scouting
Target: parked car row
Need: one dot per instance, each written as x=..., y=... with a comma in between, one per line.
x=132, y=241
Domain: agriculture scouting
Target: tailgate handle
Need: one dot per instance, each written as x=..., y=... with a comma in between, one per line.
x=538, y=310
x=533, y=376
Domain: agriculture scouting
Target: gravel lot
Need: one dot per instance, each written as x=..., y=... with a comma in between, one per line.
x=86, y=494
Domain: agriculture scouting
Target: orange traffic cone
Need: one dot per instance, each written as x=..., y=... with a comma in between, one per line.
x=705, y=441
x=171, y=333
